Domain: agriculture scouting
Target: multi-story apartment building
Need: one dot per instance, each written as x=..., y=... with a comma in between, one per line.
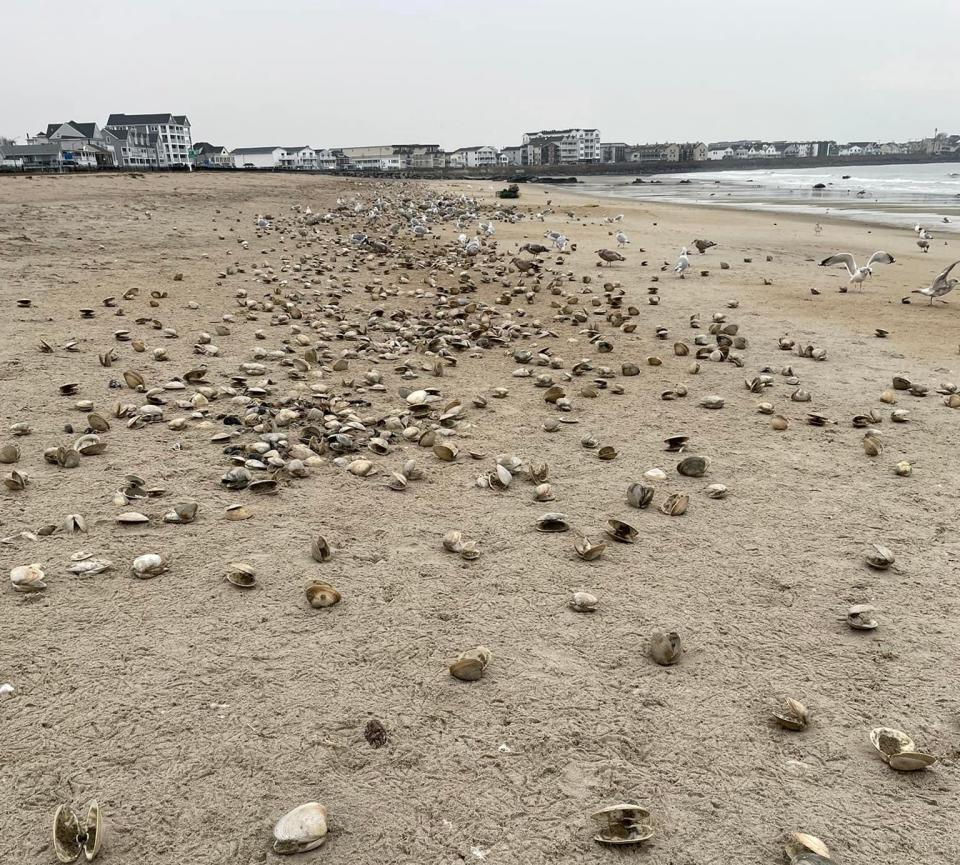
x=304, y=157
x=615, y=151
x=668, y=152
x=512, y=155
x=174, y=143
x=394, y=157
x=473, y=157
x=574, y=145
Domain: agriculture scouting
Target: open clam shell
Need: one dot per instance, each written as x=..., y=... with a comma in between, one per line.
x=625, y=823
x=897, y=749
x=304, y=828
x=589, y=550
x=880, y=557
x=28, y=578
x=553, y=522
x=320, y=549
x=799, y=847
x=665, y=648
x=639, y=495
x=470, y=665
x=675, y=505
x=859, y=618
x=793, y=716
x=241, y=575
x=621, y=531
x=321, y=594
x=70, y=839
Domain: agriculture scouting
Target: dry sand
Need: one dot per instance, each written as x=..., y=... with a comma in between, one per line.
x=197, y=713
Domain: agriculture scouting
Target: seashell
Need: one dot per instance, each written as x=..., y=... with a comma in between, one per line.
x=554, y=393
x=799, y=847
x=872, y=446
x=716, y=491
x=675, y=443
x=888, y=397
x=902, y=468
x=9, y=453
x=607, y=452
x=901, y=383
x=21, y=428
x=17, y=482
x=183, y=512
x=360, y=468
x=639, y=495
x=446, y=452
x=621, y=531
x=793, y=716
x=858, y=618
x=654, y=361
x=900, y=415
x=880, y=557
x=817, y=419
x=629, y=369
x=665, y=649
x=321, y=594
x=320, y=549
x=681, y=349
x=779, y=422
x=132, y=518
x=410, y=471
x=551, y=425
x=625, y=823
x=543, y=493
x=765, y=408
x=713, y=401
x=88, y=567
x=693, y=466
x=538, y=472
x=552, y=522
x=470, y=551
x=397, y=481
x=148, y=565
x=241, y=575
x=133, y=379
x=897, y=749
x=675, y=505
x=28, y=578
x=800, y=395
x=470, y=665
x=952, y=401
x=237, y=478
x=70, y=839
x=587, y=550
x=583, y=602
x=589, y=441
x=238, y=512
x=655, y=475
x=97, y=422
x=453, y=541
x=304, y=828
x=74, y=524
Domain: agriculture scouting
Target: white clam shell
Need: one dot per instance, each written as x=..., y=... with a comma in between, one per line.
x=304, y=828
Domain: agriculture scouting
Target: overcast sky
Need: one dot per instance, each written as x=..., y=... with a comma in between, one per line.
x=334, y=73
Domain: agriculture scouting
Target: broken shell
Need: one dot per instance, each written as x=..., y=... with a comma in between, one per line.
x=693, y=466
x=665, y=649
x=625, y=823
x=858, y=618
x=716, y=491
x=304, y=828
x=321, y=594
x=148, y=565
x=453, y=541
x=880, y=557
x=621, y=531
x=470, y=665
x=675, y=505
x=587, y=550
x=28, y=578
x=241, y=575
x=583, y=602
x=903, y=468
x=87, y=567
x=639, y=495
x=553, y=522
x=798, y=844
x=793, y=716
x=320, y=549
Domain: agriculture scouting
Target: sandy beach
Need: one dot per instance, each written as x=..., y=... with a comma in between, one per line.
x=197, y=713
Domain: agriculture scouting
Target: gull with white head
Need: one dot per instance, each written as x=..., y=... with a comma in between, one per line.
x=940, y=286
x=858, y=274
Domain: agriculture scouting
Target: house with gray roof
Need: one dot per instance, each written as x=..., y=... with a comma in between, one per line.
x=172, y=131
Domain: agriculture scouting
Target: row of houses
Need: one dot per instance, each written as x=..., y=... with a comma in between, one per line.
x=125, y=141
x=750, y=149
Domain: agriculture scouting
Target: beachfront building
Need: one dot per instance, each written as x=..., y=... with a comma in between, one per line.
x=304, y=157
x=668, y=152
x=173, y=142
x=83, y=145
x=39, y=156
x=394, y=157
x=511, y=156
x=718, y=152
x=572, y=146
x=138, y=149
x=473, y=157
x=257, y=157
x=614, y=151
x=212, y=156
x=330, y=160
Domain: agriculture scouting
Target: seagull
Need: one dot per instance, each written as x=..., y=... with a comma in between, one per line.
x=858, y=274
x=924, y=244
x=610, y=255
x=940, y=286
x=487, y=228
x=472, y=247
x=703, y=245
x=622, y=240
x=683, y=263
x=535, y=248
x=560, y=241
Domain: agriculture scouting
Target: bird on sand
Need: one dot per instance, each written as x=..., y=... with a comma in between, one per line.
x=703, y=245
x=472, y=247
x=683, y=263
x=535, y=248
x=622, y=239
x=525, y=264
x=924, y=244
x=940, y=286
x=858, y=274
x=610, y=255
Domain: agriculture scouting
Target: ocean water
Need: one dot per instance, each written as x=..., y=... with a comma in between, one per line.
x=900, y=195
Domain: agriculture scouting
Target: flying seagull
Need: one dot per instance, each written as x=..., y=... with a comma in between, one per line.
x=940, y=286
x=858, y=274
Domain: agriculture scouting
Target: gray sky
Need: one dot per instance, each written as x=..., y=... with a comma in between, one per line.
x=351, y=72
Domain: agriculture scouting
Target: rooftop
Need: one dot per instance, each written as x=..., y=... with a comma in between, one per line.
x=146, y=119
x=242, y=150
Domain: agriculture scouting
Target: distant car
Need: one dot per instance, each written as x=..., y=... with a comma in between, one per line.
x=249, y=165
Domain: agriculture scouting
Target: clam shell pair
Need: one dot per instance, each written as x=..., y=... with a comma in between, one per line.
x=302, y=829
x=28, y=578
x=675, y=505
x=470, y=664
x=583, y=602
x=148, y=565
x=320, y=549
x=453, y=542
x=553, y=522
x=625, y=823
x=880, y=557
x=71, y=839
x=321, y=595
x=241, y=575
x=897, y=750
x=693, y=466
x=859, y=618
x=793, y=715
x=589, y=550
x=639, y=495
x=621, y=531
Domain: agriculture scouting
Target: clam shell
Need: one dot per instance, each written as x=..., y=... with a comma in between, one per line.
x=148, y=565
x=693, y=466
x=304, y=828
x=9, y=453
x=607, y=452
x=880, y=557
x=639, y=495
x=858, y=617
x=625, y=823
x=583, y=602
x=470, y=664
x=911, y=761
x=716, y=491
x=89, y=567
x=320, y=549
x=799, y=843
x=132, y=518
x=665, y=648
x=321, y=594
x=453, y=541
x=675, y=505
x=889, y=741
x=621, y=531
x=94, y=829
x=241, y=575
x=543, y=493
x=67, y=844
x=552, y=522
x=28, y=578
x=446, y=452
x=793, y=716
x=587, y=550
